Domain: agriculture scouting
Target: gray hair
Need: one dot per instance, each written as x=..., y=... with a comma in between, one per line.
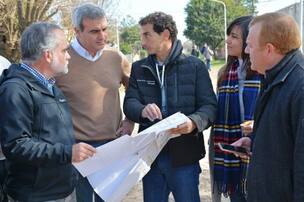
x=37, y=38
x=88, y=10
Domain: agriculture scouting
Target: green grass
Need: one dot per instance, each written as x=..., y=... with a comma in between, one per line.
x=217, y=63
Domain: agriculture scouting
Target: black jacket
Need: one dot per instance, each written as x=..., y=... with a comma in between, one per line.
x=276, y=169
x=36, y=138
x=188, y=90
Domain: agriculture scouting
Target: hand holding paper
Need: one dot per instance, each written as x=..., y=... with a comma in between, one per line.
x=82, y=151
x=120, y=164
x=184, y=128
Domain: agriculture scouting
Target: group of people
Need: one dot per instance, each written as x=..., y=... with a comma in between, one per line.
x=62, y=101
x=206, y=51
x=260, y=99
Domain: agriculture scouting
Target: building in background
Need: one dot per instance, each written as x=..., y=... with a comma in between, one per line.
x=295, y=11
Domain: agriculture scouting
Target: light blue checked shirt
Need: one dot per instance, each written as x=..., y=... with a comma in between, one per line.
x=48, y=83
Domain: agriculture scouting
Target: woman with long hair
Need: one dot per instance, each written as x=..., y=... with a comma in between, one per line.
x=237, y=90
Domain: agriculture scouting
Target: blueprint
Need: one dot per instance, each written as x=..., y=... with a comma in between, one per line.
x=118, y=165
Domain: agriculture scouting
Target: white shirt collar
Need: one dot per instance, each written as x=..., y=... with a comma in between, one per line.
x=4, y=63
x=240, y=62
x=83, y=52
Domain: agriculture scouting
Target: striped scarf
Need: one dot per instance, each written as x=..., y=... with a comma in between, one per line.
x=229, y=170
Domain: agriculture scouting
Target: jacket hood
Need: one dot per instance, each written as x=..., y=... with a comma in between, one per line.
x=14, y=71
x=176, y=51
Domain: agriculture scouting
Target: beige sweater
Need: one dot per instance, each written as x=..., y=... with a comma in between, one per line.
x=92, y=89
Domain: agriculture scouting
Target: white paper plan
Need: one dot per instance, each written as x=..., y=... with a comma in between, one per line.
x=120, y=164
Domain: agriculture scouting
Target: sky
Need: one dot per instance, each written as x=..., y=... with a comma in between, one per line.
x=272, y=5
x=140, y=8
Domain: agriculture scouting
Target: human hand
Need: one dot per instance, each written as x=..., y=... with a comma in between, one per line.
x=184, y=128
x=244, y=142
x=247, y=127
x=126, y=128
x=82, y=151
x=152, y=112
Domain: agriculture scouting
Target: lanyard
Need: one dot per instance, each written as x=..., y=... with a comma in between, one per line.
x=161, y=80
x=162, y=89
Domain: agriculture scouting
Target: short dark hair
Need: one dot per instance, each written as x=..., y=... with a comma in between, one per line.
x=160, y=22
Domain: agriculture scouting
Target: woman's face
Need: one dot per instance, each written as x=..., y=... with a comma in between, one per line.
x=235, y=42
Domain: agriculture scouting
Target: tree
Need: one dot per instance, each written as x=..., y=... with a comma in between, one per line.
x=129, y=37
x=251, y=5
x=65, y=12
x=16, y=15
x=109, y=6
x=205, y=20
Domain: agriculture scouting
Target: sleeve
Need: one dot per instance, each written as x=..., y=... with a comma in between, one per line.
x=297, y=121
x=16, y=129
x=133, y=106
x=205, y=99
x=126, y=70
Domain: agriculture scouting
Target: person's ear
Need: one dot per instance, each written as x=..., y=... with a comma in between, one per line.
x=166, y=34
x=77, y=31
x=48, y=56
x=270, y=48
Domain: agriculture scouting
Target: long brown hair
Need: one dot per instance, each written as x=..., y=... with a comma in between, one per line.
x=243, y=24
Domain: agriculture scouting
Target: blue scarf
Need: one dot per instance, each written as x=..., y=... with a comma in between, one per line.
x=229, y=170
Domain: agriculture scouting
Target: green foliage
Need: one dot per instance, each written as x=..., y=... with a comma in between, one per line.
x=128, y=21
x=251, y=5
x=129, y=37
x=218, y=63
x=205, y=20
x=125, y=48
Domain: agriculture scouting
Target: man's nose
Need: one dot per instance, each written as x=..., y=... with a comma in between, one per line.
x=247, y=50
x=101, y=35
x=68, y=56
x=143, y=44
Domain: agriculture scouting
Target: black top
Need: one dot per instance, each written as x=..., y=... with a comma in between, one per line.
x=188, y=89
x=36, y=138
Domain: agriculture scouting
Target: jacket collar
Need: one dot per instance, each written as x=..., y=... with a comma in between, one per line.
x=176, y=51
x=280, y=72
x=15, y=71
x=273, y=77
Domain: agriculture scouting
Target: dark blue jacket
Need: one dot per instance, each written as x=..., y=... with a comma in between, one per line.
x=188, y=90
x=36, y=137
x=276, y=169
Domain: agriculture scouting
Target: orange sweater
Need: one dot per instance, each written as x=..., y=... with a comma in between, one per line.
x=92, y=89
